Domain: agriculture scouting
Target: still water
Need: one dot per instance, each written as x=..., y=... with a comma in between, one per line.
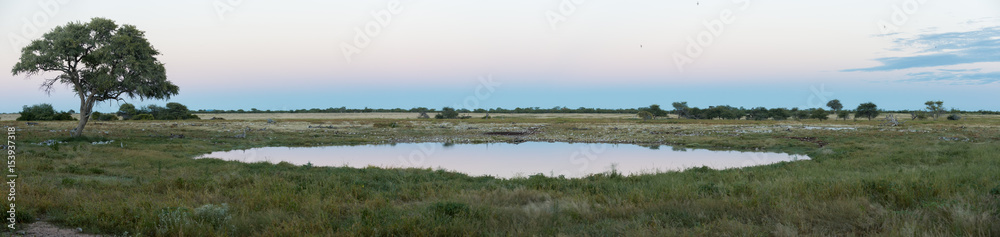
x=505, y=160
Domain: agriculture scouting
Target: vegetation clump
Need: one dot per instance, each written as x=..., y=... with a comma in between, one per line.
x=447, y=113
x=173, y=111
x=43, y=112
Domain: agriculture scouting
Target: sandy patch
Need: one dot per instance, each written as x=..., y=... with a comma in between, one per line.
x=41, y=228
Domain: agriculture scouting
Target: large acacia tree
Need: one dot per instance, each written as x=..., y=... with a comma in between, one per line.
x=100, y=60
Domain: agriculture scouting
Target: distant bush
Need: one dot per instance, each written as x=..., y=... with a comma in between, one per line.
x=143, y=117
x=954, y=117
x=216, y=216
x=800, y=114
x=843, y=114
x=173, y=111
x=126, y=111
x=98, y=116
x=779, y=113
x=819, y=113
x=867, y=110
x=42, y=112
x=759, y=113
x=645, y=115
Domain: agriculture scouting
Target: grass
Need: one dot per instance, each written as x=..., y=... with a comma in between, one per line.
x=871, y=180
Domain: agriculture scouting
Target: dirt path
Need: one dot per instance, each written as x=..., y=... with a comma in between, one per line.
x=41, y=228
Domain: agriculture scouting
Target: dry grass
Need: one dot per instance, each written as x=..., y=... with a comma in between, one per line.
x=265, y=116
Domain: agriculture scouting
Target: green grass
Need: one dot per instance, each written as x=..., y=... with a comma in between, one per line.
x=869, y=181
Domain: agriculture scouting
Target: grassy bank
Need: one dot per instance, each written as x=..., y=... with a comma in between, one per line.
x=928, y=177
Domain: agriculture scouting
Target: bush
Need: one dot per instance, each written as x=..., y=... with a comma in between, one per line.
x=843, y=114
x=98, y=116
x=447, y=113
x=867, y=110
x=779, y=113
x=819, y=113
x=759, y=113
x=954, y=117
x=173, y=111
x=42, y=112
x=127, y=111
x=216, y=216
x=800, y=114
x=143, y=117
x=645, y=115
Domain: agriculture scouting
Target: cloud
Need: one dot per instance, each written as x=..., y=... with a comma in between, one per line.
x=955, y=76
x=942, y=49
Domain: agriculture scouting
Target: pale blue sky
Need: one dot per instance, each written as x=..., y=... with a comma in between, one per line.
x=778, y=53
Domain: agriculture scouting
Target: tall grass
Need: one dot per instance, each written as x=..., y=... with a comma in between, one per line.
x=869, y=181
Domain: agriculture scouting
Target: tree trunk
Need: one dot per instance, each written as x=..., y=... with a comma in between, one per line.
x=85, y=107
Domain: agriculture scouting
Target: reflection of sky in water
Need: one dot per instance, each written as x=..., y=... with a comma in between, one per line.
x=510, y=160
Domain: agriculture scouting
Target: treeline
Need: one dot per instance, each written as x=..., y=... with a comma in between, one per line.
x=720, y=111
x=934, y=109
x=43, y=112
x=682, y=110
x=557, y=109
x=173, y=111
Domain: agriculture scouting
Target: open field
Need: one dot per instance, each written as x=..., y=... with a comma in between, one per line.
x=925, y=178
x=265, y=116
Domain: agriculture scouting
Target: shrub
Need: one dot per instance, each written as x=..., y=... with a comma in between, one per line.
x=759, y=113
x=143, y=117
x=800, y=114
x=216, y=216
x=843, y=114
x=954, y=117
x=645, y=115
x=126, y=111
x=103, y=117
x=779, y=113
x=447, y=113
x=819, y=113
x=867, y=110
x=173, y=220
x=173, y=111
x=42, y=112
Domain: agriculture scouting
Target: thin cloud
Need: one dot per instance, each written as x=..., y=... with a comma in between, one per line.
x=942, y=49
x=955, y=77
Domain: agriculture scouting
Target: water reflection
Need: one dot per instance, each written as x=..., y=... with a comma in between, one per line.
x=511, y=160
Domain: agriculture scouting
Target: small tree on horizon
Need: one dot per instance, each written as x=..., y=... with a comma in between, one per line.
x=100, y=60
x=843, y=114
x=655, y=110
x=681, y=109
x=447, y=113
x=936, y=108
x=645, y=115
x=779, y=113
x=819, y=113
x=759, y=113
x=835, y=105
x=867, y=110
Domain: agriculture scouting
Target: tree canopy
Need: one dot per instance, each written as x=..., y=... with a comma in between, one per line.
x=100, y=60
x=835, y=105
x=867, y=110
